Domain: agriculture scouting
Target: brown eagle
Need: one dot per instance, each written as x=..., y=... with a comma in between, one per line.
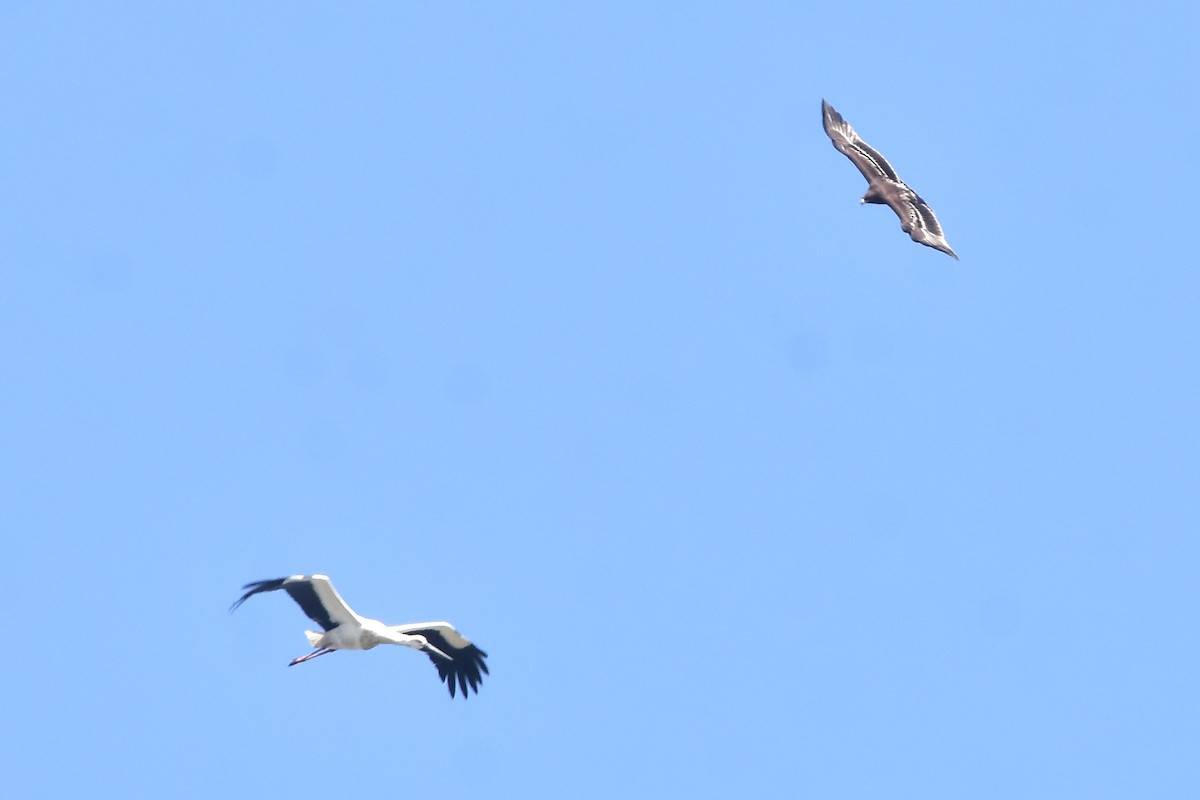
x=884, y=185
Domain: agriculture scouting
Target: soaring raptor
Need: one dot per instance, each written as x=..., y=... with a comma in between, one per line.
x=884, y=185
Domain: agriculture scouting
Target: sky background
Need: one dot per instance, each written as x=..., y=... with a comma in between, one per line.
x=563, y=322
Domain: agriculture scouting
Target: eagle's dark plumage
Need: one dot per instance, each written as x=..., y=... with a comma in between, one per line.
x=884, y=186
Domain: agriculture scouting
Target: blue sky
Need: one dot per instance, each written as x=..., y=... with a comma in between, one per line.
x=565, y=324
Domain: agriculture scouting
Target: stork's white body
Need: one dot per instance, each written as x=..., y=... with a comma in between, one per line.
x=368, y=633
x=363, y=636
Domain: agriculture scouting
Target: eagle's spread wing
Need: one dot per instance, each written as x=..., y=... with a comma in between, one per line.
x=870, y=162
x=916, y=217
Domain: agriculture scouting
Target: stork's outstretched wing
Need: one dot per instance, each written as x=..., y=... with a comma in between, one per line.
x=465, y=668
x=313, y=593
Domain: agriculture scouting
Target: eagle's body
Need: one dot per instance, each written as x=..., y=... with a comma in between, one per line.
x=884, y=185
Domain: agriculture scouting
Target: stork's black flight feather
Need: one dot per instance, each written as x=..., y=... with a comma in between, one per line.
x=467, y=666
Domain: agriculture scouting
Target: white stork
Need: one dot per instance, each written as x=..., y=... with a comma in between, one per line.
x=459, y=663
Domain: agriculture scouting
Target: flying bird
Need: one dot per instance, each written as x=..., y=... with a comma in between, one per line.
x=884, y=185
x=459, y=663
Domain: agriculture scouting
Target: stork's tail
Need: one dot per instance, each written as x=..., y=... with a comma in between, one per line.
x=313, y=637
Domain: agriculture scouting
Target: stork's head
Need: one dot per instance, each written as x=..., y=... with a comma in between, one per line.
x=426, y=647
